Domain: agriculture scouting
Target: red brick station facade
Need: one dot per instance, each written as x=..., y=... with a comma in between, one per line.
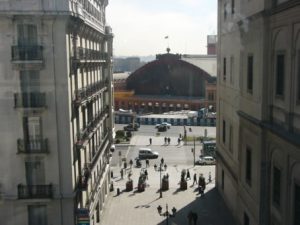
x=166, y=84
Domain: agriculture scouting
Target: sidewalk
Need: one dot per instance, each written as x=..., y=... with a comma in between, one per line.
x=140, y=208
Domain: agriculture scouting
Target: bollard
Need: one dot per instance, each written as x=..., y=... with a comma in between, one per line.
x=118, y=191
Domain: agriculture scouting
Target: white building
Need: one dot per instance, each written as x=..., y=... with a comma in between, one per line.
x=258, y=124
x=55, y=111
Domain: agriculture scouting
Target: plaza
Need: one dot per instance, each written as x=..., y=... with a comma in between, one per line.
x=136, y=208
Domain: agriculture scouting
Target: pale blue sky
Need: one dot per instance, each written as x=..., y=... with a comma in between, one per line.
x=140, y=26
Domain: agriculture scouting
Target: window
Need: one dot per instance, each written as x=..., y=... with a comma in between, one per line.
x=280, y=67
x=37, y=215
x=35, y=173
x=230, y=138
x=276, y=185
x=32, y=129
x=29, y=81
x=297, y=205
x=231, y=69
x=222, y=184
x=224, y=131
x=250, y=74
x=246, y=219
x=298, y=75
x=232, y=7
x=27, y=34
x=248, y=165
x=224, y=69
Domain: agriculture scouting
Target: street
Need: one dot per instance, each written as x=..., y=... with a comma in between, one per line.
x=140, y=208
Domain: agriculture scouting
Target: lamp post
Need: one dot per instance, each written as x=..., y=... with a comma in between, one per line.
x=160, y=187
x=166, y=214
x=193, y=151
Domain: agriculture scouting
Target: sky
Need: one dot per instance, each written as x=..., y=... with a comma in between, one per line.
x=140, y=26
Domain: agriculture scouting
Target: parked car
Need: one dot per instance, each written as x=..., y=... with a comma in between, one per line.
x=147, y=153
x=136, y=125
x=130, y=128
x=168, y=125
x=206, y=160
x=161, y=128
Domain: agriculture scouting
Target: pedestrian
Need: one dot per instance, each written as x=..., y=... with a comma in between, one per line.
x=131, y=163
x=150, y=141
x=188, y=175
x=121, y=172
x=201, y=184
x=195, y=218
x=146, y=174
x=147, y=162
x=125, y=165
x=162, y=161
x=180, y=136
x=166, y=139
x=195, y=179
x=169, y=140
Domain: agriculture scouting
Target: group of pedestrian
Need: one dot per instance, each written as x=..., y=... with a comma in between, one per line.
x=167, y=140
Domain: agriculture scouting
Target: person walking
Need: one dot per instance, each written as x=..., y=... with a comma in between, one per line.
x=188, y=175
x=166, y=140
x=147, y=163
x=195, y=179
x=121, y=172
x=162, y=161
x=201, y=184
x=150, y=141
x=146, y=174
x=178, y=141
x=131, y=163
x=169, y=140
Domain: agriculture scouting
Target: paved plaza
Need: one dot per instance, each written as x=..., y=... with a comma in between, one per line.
x=140, y=208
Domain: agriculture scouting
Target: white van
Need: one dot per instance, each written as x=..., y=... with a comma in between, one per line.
x=146, y=153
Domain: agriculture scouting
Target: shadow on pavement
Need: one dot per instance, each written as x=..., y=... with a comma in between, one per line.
x=210, y=209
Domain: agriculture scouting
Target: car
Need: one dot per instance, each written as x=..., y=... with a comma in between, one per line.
x=206, y=160
x=136, y=125
x=161, y=128
x=147, y=153
x=168, y=125
x=130, y=128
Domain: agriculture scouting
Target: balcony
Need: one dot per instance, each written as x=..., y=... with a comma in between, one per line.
x=90, y=54
x=85, y=93
x=37, y=146
x=27, y=57
x=35, y=191
x=30, y=100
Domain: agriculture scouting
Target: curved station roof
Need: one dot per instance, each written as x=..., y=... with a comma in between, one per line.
x=171, y=76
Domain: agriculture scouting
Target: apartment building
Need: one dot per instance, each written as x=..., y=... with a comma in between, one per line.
x=258, y=137
x=55, y=111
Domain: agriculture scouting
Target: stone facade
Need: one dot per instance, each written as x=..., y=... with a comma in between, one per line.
x=258, y=111
x=56, y=111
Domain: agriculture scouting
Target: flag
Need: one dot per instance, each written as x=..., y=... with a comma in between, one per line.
x=166, y=37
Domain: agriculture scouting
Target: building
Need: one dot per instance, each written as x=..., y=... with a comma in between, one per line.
x=258, y=147
x=128, y=64
x=55, y=111
x=165, y=84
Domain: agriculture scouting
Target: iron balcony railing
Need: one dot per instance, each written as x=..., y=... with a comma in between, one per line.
x=35, y=191
x=30, y=100
x=26, y=52
x=32, y=146
x=90, y=54
x=85, y=92
x=84, y=133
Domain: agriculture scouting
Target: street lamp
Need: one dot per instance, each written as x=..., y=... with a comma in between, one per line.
x=194, y=150
x=166, y=214
x=160, y=189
